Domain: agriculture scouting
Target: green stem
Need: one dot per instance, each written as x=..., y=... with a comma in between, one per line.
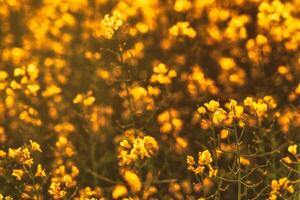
x=92, y=154
x=32, y=178
x=239, y=178
x=216, y=145
x=204, y=190
x=128, y=98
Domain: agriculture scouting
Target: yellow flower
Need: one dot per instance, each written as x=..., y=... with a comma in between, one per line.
x=12, y=153
x=286, y=184
x=205, y=124
x=86, y=99
x=282, y=184
x=110, y=24
x=244, y=161
x=227, y=63
x=74, y=171
x=212, y=105
x=56, y=191
x=183, y=29
x=2, y=154
x=248, y=101
x=258, y=108
x=39, y=171
x=133, y=180
x=125, y=144
x=172, y=73
x=161, y=68
x=190, y=160
x=270, y=102
x=181, y=144
x=78, y=99
x=212, y=172
x=6, y=198
x=28, y=162
x=290, y=189
x=198, y=170
x=35, y=146
x=25, y=153
x=149, y=191
x=201, y=110
x=293, y=149
x=219, y=116
x=287, y=160
x=89, y=101
x=18, y=173
x=224, y=133
x=3, y=75
x=138, y=148
x=235, y=110
x=275, y=185
x=182, y=5
x=272, y=197
x=69, y=182
x=205, y=158
x=162, y=74
x=51, y=91
x=119, y=191
x=282, y=181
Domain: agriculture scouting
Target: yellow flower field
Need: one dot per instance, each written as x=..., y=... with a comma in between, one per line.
x=150, y=99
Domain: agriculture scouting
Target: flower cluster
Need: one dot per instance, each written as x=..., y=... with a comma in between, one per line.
x=182, y=29
x=86, y=100
x=283, y=184
x=162, y=74
x=134, y=148
x=20, y=165
x=110, y=24
x=197, y=83
x=170, y=121
x=204, y=159
x=293, y=158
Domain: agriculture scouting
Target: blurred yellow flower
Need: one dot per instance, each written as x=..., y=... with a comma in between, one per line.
x=205, y=158
x=119, y=191
x=132, y=180
x=18, y=173
x=35, y=146
x=39, y=171
x=293, y=149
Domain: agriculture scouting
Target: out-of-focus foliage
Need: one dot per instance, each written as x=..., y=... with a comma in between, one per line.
x=149, y=99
